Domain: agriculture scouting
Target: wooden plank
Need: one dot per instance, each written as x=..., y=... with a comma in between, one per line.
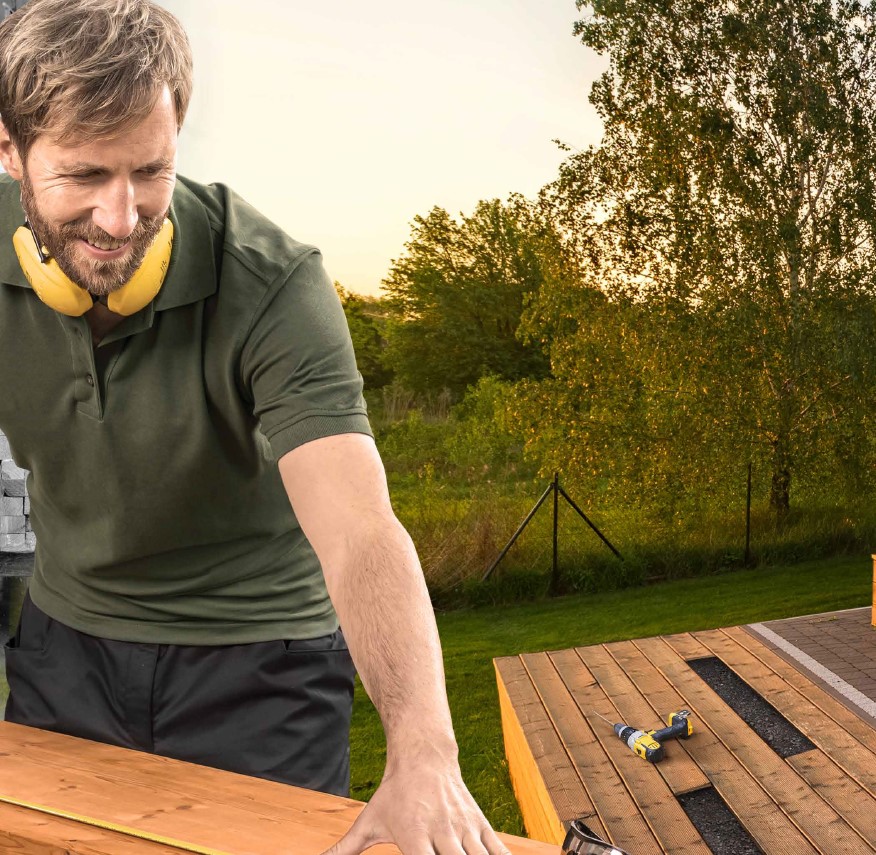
x=163, y=804
x=655, y=797
x=856, y=805
x=861, y=730
x=233, y=813
x=617, y=811
x=687, y=646
x=147, y=808
x=855, y=757
x=548, y=789
x=743, y=794
x=54, y=757
x=30, y=833
x=635, y=835
x=819, y=822
x=652, y=701
x=539, y=814
x=661, y=695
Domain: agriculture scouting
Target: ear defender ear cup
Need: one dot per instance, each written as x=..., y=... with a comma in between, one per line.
x=49, y=282
x=62, y=294
x=148, y=278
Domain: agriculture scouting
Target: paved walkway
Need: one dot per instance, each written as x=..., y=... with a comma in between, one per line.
x=837, y=650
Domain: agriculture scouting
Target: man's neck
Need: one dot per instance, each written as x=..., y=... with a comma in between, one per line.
x=101, y=320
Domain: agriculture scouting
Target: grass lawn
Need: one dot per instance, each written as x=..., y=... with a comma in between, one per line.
x=471, y=639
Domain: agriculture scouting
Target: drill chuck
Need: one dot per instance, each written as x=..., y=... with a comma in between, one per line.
x=640, y=742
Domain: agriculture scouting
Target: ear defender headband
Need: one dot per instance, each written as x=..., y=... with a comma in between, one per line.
x=62, y=294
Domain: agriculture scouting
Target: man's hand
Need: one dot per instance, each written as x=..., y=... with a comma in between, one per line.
x=337, y=487
x=423, y=807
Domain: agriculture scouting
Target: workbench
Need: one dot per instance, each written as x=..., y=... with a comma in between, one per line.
x=203, y=807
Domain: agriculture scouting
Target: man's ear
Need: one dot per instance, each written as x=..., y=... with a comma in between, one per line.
x=9, y=156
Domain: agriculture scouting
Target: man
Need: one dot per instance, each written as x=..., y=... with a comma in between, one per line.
x=172, y=417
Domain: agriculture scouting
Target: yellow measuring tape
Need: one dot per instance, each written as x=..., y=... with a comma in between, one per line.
x=111, y=826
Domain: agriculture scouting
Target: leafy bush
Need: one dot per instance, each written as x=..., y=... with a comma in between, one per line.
x=461, y=486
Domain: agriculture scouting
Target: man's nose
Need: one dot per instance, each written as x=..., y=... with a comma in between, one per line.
x=115, y=210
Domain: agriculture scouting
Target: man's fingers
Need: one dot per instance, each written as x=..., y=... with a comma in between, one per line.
x=473, y=844
x=449, y=824
x=492, y=843
x=418, y=843
x=448, y=844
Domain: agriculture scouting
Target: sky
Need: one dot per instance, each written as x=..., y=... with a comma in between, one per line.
x=343, y=120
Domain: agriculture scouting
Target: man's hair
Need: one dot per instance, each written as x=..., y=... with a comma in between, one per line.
x=83, y=69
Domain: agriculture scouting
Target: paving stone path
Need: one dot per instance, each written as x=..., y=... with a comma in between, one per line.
x=836, y=649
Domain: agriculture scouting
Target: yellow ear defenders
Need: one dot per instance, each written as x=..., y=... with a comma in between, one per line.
x=62, y=294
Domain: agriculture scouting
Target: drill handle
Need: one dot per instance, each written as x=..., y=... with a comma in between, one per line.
x=680, y=726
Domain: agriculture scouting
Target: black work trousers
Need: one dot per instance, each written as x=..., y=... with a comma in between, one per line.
x=278, y=710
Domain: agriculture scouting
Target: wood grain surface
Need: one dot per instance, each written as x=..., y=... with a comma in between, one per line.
x=234, y=814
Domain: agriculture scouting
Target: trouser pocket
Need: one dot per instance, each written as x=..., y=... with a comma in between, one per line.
x=278, y=710
x=66, y=681
x=24, y=653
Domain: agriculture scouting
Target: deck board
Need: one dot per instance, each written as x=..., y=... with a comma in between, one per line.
x=564, y=797
x=669, y=824
x=828, y=779
x=819, y=802
x=682, y=774
x=858, y=729
x=809, y=812
x=857, y=758
x=590, y=760
x=626, y=826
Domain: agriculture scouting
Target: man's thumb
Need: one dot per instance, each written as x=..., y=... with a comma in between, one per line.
x=356, y=840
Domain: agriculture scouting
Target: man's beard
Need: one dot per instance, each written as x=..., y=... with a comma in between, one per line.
x=98, y=277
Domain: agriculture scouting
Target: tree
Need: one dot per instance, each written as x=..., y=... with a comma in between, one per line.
x=458, y=292
x=733, y=196
x=367, y=318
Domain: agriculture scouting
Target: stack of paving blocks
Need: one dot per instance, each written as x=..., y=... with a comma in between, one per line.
x=873, y=613
x=16, y=534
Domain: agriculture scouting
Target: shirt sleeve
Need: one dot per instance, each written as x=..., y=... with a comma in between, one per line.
x=297, y=362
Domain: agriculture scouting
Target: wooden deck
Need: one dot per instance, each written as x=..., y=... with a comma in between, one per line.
x=200, y=807
x=566, y=763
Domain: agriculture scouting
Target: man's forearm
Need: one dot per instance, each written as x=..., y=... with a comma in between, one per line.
x=379, y=593
x=337, y=486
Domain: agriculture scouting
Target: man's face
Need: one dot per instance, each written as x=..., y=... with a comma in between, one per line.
x=97, y=206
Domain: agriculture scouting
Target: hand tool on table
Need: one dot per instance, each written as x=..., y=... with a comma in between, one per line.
x=648, y=744
x=580, y=840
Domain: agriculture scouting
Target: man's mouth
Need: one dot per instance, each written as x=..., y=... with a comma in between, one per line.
x=106, y=245
x=105, y=250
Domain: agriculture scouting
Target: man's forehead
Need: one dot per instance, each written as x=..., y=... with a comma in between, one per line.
x=129, y=150
x=142, y=139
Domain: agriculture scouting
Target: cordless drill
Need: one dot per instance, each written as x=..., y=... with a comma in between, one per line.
x=648, y=744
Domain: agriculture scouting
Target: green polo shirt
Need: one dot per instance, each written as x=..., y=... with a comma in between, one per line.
x=158, y=508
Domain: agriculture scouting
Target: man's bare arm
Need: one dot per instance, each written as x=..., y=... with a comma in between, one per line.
x=337, y=487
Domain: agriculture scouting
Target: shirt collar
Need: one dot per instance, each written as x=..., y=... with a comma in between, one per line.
x=191, y=275
x=11, y=217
